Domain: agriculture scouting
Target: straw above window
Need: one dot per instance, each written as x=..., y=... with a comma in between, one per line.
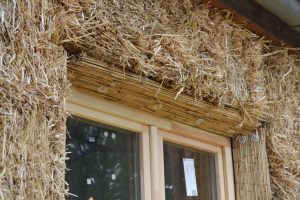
x=145, y=94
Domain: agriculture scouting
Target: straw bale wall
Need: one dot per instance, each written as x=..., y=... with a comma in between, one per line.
x=282, y=74
x=199, y=51
x=32, y=110
x=184, y=45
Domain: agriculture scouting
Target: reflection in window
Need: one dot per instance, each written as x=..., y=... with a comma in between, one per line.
x=205, y=171
x=103, y=162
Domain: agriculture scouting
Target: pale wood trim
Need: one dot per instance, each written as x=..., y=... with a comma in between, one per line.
x=92, y=114
x=186, y=141
x=188, y=138
x=157, y=157
x=145, y=164
x=160, y=148
x=154, y=163
x=99, y=104
x=95, y=108
x=229, y=173
x=220, y=177
x=200, y=135
x=139, y=92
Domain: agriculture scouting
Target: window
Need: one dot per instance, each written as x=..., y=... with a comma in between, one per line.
x=185, y=159
x=117, y=152
x=177, y=161
x=104, y=161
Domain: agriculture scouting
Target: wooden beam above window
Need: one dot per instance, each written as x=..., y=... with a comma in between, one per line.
x=141, y=93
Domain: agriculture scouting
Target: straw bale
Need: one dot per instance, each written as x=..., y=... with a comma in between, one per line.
x=184, y=45
x=199, y=51
x=282, y=73
x=32, y=110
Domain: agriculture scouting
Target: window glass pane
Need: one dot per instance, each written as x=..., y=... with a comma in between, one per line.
x=104, y=162
x=204, y=165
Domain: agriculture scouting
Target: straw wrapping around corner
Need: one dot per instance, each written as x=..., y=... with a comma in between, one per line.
x=184, y=45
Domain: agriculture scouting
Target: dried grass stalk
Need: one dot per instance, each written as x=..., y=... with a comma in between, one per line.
x=251, y=166
x=182, y=44
x=32, y=110
x=282, y=72
x=197, y=50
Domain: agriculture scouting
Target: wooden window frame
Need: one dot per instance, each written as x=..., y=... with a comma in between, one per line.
x=159, y=136
x=153, y=131
x=143, y=131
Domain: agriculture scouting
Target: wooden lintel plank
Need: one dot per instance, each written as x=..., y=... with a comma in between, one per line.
x=141, y=93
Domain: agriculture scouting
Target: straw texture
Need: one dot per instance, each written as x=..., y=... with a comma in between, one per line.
x=193, y=49
x=32, y=110
x=184, y=45
x=251, y=166
x=282, y=73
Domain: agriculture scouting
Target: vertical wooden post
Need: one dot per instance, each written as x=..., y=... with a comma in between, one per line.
x=229, y=173
x=154, y=163
x=145, y=164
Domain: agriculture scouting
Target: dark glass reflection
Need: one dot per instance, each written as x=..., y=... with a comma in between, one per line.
x=104, y=162
x=205, y=171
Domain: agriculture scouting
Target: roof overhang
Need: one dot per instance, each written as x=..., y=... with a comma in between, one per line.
x=276, y=20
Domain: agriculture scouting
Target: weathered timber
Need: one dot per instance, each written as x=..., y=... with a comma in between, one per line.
x=259, y=20
x=142, y=93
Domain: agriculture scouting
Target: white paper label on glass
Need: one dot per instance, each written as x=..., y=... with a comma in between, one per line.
x=190, y=177
x=105, y=133
x=88, y=181
x=92, y=139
